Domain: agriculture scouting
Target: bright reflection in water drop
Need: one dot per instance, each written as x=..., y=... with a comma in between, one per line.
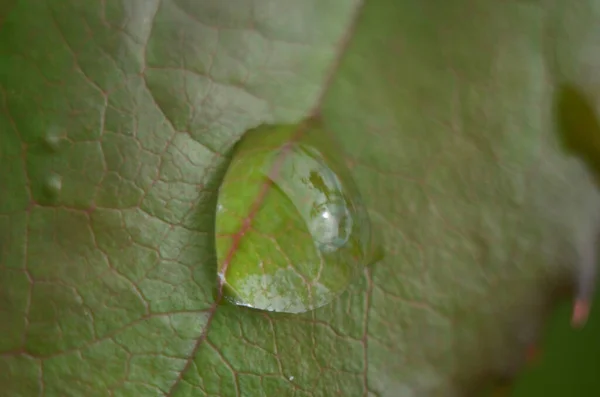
x=318, y=195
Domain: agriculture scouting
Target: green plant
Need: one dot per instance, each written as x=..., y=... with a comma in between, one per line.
x=116, y=122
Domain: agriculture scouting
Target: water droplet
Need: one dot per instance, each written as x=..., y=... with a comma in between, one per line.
x=291, y=378
x=292, y=232
x=53, y=185
x=53, y=142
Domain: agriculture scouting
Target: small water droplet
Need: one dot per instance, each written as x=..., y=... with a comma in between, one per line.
x=292, y=230
x=53, y=185
x=291, y=378
x=53, y=142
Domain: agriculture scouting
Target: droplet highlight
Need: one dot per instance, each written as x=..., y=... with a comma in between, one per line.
x=292, y=232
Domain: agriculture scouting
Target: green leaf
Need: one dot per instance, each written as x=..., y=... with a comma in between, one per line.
x=292, y=232
x=116, y=122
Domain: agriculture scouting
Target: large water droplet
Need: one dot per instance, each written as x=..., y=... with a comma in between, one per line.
x=292, y=232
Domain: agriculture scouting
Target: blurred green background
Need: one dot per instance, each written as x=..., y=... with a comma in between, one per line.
x=569, y=359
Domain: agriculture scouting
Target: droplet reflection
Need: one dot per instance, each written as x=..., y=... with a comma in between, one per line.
x=318, y=195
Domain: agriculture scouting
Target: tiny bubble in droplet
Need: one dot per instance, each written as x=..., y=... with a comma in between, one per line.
x=221, y=277
x=53, y=184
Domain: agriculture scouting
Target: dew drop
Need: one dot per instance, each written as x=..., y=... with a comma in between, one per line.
x=53, y=185
x=292, y=231
x=52, y=142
